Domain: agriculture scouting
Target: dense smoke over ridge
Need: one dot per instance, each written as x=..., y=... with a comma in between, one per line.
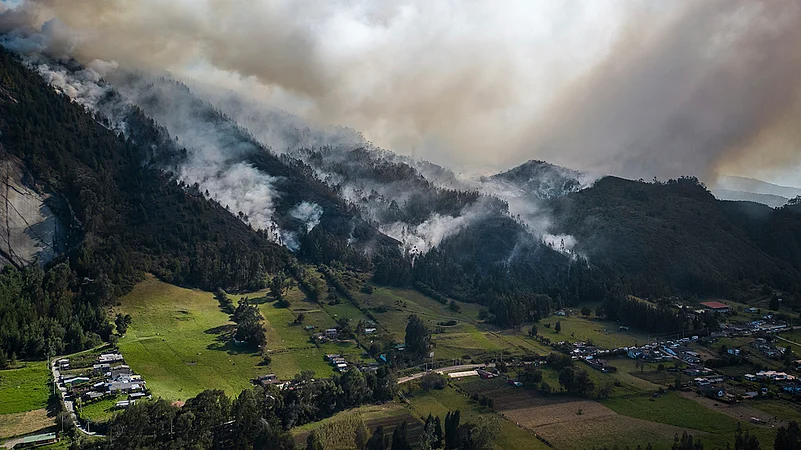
x=646, y=88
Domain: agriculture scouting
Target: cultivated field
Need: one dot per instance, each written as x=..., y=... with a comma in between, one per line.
x=389, y=416
x=440, y=402
x=17, y=424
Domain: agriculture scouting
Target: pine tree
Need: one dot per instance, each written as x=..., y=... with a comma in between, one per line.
x=313, y=442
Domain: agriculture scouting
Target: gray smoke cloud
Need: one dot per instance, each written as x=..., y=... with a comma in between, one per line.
x=641, y=88
x=636, y=88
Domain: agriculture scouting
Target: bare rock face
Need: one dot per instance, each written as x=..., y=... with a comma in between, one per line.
x=29, y=230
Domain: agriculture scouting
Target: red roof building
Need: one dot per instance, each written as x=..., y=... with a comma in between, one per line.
x=716, y=306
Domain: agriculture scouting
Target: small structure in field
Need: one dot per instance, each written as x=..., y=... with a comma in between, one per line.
x=717, y=307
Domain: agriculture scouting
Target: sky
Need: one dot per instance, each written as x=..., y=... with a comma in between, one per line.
x=638, y=88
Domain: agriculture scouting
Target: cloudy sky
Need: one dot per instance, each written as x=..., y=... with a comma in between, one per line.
x=639, y=88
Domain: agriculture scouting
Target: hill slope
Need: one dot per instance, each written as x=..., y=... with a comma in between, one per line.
x=671, y=237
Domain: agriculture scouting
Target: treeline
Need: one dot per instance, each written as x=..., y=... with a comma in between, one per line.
x=257, y=418
x=659, y=318
x=53, y=312
x=125, y=216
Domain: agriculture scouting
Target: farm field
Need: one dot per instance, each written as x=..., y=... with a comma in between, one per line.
x=388, y=415
x=175, y=343
x=24, y=389
x=602, y=333
x=17, y=424
x=439, y=403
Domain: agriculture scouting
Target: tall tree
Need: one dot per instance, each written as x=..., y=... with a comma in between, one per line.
x=787, y=438
x=400, y=439
x=418, y=337
x=378, y=441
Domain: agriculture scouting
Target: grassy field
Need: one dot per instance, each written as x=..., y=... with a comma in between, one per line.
x=672, y=409
x=24, y=389
x=18, y=424
x=177, y=341
x=101, y=411
x=602, y=333
x=439, y=403
x=388, y=415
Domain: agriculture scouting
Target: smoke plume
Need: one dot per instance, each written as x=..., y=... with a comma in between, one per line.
x=646, y=88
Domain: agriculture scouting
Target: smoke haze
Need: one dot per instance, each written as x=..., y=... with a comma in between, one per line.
x=639, y=88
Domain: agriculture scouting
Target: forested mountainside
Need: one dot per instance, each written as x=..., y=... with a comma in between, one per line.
x=676, y=237
x=540, y=179
x=124, y=215
x=298, y=200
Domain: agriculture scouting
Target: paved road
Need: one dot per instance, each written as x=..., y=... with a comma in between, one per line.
x=448, y=369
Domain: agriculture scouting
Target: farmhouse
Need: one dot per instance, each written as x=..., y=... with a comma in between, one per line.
x=269, y=380
x=717, y=307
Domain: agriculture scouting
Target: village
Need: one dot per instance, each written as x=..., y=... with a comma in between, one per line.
x=93, y=386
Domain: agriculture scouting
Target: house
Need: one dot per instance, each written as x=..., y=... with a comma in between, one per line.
x=37, y=440
x=101, y=368
x=713, y=392
x=331, y=333
x=716, y=307
x=93, y=395
x=124, y=403
x=369, y=330
x=137, y=395
x=750, y=377
x=634, y=353
x=120, y=371
x=269, y=380
x=63, y=364
x=794, y=389
x=515, y=383
x=561, y=312
x=485, y=375
x=109, y=358
x=123, y=387
x=76, y=380
x=332, y=356
x=623, y=328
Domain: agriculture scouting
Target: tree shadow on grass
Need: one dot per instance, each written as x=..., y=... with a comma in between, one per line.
x=231, y=347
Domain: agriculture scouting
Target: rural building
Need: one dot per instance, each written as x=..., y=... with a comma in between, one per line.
x=331, y=333
x=485, y=375
x=467, y=373
x=120, y=371
x=37, y=440
x=269, y=380
x=109, y=358
x=123, y=387
x=717, y=307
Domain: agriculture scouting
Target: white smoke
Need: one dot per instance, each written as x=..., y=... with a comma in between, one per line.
x=241, y=188
x=563, y=243
x=309, y=213
x=211, y=163
x=421, y=238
